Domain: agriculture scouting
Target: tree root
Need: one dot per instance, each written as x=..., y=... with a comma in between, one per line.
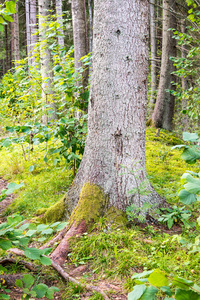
x=57, y=238
x=60, y=253
x=9, y=280
x=65, y=275
x=9, y=260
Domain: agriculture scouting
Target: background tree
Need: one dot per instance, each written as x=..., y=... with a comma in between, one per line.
x=162, y=116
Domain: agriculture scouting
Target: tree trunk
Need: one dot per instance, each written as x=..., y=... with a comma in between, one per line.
x=16, y=35
x=153, y=52
x=80, y=37
x=33, y=29
x=162, y=116
x=60, y=22
x=28, y=33
x=90, y=8
x=184, y=81
x=113, y=163
x=45, y=60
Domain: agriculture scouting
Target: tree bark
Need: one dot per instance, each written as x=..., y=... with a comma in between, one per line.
x=116, y=121
x=16, y=36
x=153, y=52
x=33, y=29
x=60, y=22
x=162, y=116
x=45, y=60
x=80, y=37
x=90, y=8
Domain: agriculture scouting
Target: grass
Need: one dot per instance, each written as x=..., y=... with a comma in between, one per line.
x=110, y=254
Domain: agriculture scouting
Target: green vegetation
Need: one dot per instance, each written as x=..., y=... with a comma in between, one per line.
x=112, y=252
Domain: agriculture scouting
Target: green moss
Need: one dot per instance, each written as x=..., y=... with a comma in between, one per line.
x=54, y=213
x=91, y=204
x=41, y=211
x=164, y=137
x=116, y=218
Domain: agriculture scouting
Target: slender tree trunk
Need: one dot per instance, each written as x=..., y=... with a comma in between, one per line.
x=28, y=33
x=16, y=35
x=45, y=60
x=6, y=47
x=33, y=29
x=60, y=22
x=80, y=36
x=153, y=52
x=162, y=116
x=116, y=121
x=184, y=81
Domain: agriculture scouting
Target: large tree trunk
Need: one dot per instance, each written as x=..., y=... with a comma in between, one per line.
x=90, y=8
x=33, y=29
x=162, y=116
x=80, y=37
x=117, y=117
x=45, y=60
x=153, y=52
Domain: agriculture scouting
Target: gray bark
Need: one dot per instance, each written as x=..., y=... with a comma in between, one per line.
x=45, y=59
x=90, y=4
x=117, y=105
x=16, y=36
x=60, y=22
x=33, y=29
x=80, y=36
x=162, y=116
x=153, y=51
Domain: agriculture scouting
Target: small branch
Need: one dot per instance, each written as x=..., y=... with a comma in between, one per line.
x=57, y=238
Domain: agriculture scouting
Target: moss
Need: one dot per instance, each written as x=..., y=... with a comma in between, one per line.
x=164, y=137
x=91, y=204
x=116, y=218
x=41, y=211
x=54, y=213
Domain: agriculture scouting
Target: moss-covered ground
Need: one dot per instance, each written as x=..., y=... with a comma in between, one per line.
x=110, y=254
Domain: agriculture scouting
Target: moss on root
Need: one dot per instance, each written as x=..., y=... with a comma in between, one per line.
x=91, y=205
x=54, y=213
x=116, y=218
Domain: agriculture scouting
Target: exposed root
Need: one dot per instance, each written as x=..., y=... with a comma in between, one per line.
x=67, y=277
x=60, y=253
x=9, y=280
x=9, y=260
x=56, y=239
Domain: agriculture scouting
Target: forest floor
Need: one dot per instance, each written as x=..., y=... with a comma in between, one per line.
x=106, y=257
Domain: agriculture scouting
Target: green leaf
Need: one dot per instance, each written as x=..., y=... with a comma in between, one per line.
x=190, y=137
x=158, y=278
x=28, y=280
x=166, y=290
x=6, y=143
x=190, y=155
x=19, y=283
x=182, y=283
x=51, y=291
x=186, y=295
x=186, y=197
x=11, y=7
x=193, y=188
x=40, y=290
x=143, y=274
x=1, y=29
x=5, y=244
x=42, y=227
x=137, y=292
x=150, y=293
x=47, y=231
x=4, y=296
x=9, y=19
x=57, y=68
x=61, y=226
x=45, y=260
x=32, y=253
x=170, y=223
